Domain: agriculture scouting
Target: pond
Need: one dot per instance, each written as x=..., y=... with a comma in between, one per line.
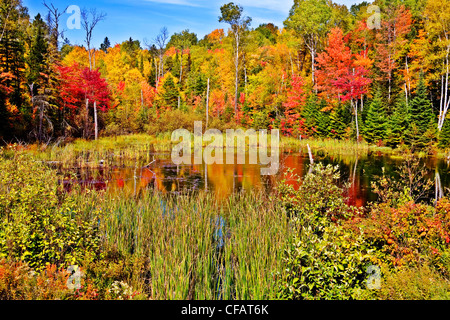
x=134, y=177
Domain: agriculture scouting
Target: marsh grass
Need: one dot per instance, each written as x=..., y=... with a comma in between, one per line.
x=332, y=146
x=83, y=153
x=195, y=247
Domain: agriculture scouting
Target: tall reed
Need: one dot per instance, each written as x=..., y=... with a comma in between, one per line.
x=198, y=248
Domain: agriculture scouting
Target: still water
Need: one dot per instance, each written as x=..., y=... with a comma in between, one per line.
x=135, y=177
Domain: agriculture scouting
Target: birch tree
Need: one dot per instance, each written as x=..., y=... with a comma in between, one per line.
x=437, y=14
x=232, y=14
x=89, y=20
x=310, y=19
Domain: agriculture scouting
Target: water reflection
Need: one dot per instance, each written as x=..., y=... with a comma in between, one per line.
x=224, y=179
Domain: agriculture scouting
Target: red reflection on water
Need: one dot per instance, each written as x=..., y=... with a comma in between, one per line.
x=221, y=179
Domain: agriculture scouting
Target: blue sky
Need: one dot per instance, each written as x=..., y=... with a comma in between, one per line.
x=142, y=19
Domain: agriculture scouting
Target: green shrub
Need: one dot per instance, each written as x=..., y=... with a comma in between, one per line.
x=414, y=283
x=324, y=261
x=38, y=225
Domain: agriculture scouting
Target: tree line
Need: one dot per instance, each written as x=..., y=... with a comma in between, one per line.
x=325, y=73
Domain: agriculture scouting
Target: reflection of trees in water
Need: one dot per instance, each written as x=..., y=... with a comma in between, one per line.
x=225, y=179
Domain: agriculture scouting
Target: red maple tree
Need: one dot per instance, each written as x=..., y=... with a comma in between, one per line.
x=293, y=124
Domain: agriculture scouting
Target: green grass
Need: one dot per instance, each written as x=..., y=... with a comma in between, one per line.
x=169, y=247
x=132, y=147
x=179, y=240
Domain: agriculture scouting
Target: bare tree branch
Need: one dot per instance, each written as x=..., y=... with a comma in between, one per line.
x=90, y=19
x=161, y=42
x=53, y=19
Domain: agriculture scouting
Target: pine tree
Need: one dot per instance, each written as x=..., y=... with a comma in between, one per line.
x=12, y=67
x=170, y=93
x=375, y=125
x=421, y=131
x=398, y=124
x=310, y=113
x=38, y=73
x=38, y=50
x=339, y=122
x=105, y=45
x=444, y=135
x=323, y=120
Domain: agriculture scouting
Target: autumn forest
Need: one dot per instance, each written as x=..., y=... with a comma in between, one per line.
x=325, y=73
x=93, y=208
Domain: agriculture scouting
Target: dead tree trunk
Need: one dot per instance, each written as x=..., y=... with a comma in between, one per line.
x=95, y=120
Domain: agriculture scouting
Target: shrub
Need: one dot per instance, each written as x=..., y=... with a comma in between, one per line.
x=39, y=225
x=414, y=283
x=19, y=282
x=412, y=183
x=324, y=261
x=172, y=120
x=327, y=265
x=318, y=199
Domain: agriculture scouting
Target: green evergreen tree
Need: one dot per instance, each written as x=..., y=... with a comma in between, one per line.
x=323, y=120
x=38, y=50
x=170, y=93
x=310, y=112
x=421, y=131
x=398, y=124
x=13, y=61
x=375, y=125
x=105, y=45
x=339, y=122
x=444, y=135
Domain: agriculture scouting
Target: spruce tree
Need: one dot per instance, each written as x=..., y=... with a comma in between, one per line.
x=421, y=131
x=310, y=113
x=323, y=120
x=38, y=50
x=105, y=45
x=170, y=92
x=339, y=121
x=444, y=135
x=398, y=124
x=375, y=125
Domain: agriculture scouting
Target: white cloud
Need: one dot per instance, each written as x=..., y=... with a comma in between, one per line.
x=275, y=5
x=187, y=3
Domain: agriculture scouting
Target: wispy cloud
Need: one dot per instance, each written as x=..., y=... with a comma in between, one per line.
x=275, y=5
x=188, y=3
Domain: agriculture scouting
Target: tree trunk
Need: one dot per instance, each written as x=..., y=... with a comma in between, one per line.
x=438, y=187
x=41, y=119
x=292, y=64
x=445, y=101
x=246, y=79
x=86, y=121
x=236, y=63
x=156, y=74
x=207, y=105
x=355, y=107
x=95, y=120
